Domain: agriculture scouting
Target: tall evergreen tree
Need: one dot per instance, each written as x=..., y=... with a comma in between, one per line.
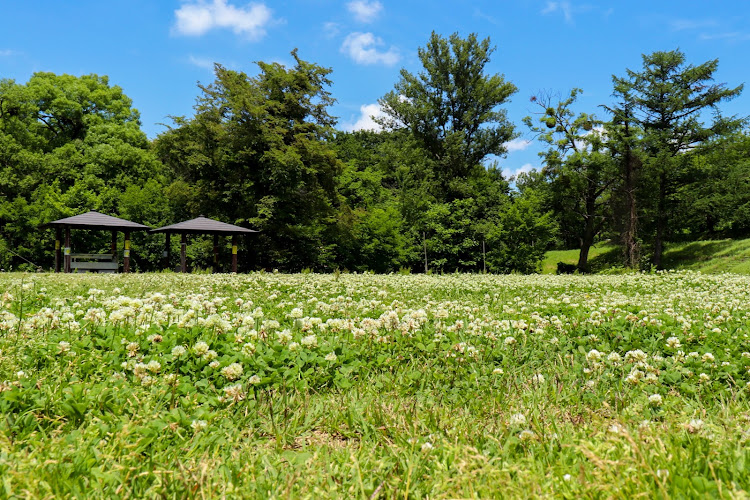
x=452, y=108
x=667, y=99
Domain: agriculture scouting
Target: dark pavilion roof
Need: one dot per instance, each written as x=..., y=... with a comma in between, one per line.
x=203, y=225
x=95, y=220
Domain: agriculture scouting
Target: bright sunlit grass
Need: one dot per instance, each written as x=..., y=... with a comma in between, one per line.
x=362, y=386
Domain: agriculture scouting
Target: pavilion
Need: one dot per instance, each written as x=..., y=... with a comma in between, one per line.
x=94, y=221
x=202, y=225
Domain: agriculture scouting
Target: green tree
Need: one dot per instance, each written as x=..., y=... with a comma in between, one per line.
x=576, y=165
x=713, y=198
x=67, y=144
x=452, y=109
x=667, y=98
x=257, y=153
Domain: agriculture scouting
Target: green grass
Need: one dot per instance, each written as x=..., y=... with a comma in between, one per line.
x=374, y=386
x=551, y=258
x=711, y=256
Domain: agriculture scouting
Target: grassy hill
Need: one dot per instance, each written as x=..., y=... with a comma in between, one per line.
x=712, y=256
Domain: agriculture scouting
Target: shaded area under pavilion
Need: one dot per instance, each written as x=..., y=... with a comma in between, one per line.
x=93, y=221
x=202, y=225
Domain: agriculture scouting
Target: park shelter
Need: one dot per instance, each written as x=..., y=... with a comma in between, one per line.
x=93, y=221
x=202, y=225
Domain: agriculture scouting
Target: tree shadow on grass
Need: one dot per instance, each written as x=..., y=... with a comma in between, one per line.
x=697, y=252
x=606, y=260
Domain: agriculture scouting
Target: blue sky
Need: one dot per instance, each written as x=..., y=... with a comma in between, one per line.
x=158, y=50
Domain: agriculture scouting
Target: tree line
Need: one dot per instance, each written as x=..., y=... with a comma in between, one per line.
x=660, y=163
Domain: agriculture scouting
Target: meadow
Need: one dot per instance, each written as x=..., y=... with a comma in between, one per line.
x=374, y=386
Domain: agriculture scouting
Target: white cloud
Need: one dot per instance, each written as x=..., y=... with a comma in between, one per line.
x=525, y=168
x=692, y=24
x=362, y=48
x=732, y=36
x=201, y=62
x=563, y=7
x=517, y=145
x=331, y=29
x=366, y=119
x=363, y=11
x=198, y=18
x=6, y=52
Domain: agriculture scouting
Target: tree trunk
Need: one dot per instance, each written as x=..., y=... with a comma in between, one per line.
x=661, y=222
x=589, y=230
x=630, y=232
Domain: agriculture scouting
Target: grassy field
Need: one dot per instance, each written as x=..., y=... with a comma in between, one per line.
x=713, y=256
x=361, y=386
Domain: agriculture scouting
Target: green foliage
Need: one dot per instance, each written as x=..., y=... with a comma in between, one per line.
x=452, y=107
x=256, y=153
x=577, y=171
x=67, y=145
x=666, y=100
x=520, y=238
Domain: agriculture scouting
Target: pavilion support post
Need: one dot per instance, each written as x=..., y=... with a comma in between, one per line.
x=183, y=260
x=167, y=250
x=67, y=250
x=113, y=247
x=126, y=254
x=216, y=253
x=58, y=252
x=234, y=253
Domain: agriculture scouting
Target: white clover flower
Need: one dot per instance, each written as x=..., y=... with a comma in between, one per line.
x=63, y=346
x=331, y=356
x=636, y=356
x=695, y=425
x=616, y=428
x=293, y=346
x=255, y=380
x=200, y=348
x=179, y=351
x=198, y=425
x=21, y=374
x=214, y=364
x=537, y=379
x=614, y=357
x=296, y=313
x=707, y=358
x=153, y=366
x=132, y=349
x=232, y=372
x=210, y=355
x=427, y=446
x=593, y=356
x=517, y=419
x=526, y=435
x=284, y=336
x=147, y=381
x=498, y=371
x=673, y=343
x=171, y=379
x=554, y=341
x=655, y=400
x=704, y=377
x=510, y=341
x=234, y=392
x=567, y=478
x=310, y=341
x=248, y=349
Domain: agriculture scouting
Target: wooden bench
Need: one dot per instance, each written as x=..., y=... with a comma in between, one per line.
x=93, y=263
